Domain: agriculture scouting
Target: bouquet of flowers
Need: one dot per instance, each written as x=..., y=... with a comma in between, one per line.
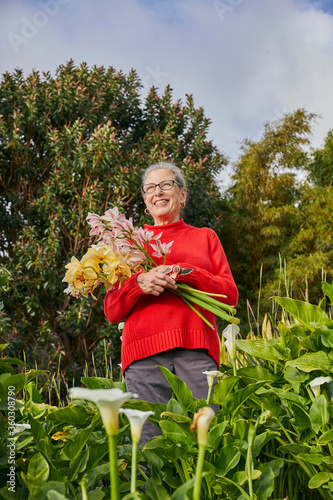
x=122, y=249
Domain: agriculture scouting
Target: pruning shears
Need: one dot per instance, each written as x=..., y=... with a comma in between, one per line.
x=175, y=270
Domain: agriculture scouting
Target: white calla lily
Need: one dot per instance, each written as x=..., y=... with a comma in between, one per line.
x=211, y=375
x=108, y=401
x=317, y=382
x=136, y=419
x=201, y=422
x=230, y=333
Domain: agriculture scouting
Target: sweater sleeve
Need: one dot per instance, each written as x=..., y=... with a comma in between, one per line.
x=220, y=280
x=118, y=303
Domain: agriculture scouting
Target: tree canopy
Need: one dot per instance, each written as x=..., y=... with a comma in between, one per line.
x=70, y=144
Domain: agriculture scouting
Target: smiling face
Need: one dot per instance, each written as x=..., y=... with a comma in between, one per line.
x=164, y=206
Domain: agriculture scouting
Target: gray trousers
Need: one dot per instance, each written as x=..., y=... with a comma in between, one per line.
x=145, y=379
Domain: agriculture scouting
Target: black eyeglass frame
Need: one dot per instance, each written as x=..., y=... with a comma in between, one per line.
x=159, y=185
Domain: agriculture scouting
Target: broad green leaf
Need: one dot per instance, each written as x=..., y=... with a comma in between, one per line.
x=227, y=460
x=325, y=438
x=73, y=414
x=262, y=349
x=180, y=389
x=155, y=490
x=328, y=289
x=326, y=336
x=95, y=474
x=261, y=439
x=215, y=435
x=38, y=473
x=312, y=361
x=312, y=458
x=184, y=492
x=78, y=465
x=291, y=396
x=294, y=449
x=319, y=413
x=319, y=479
x=56, y=486
x=73, y=449
x=174, y=407
x=306, y=313
x=302, y=419
x=19, y=380
x=234, y=401
x=102, y=383
x=176, y=417
x=257, y=373
x=295, y=377
x=223, y=388
x=54, y=495
x=264, y=485
x=177, y=433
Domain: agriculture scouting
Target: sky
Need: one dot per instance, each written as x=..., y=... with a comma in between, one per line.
x=246, y=62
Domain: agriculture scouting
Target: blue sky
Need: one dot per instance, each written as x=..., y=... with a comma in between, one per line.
x=245, y=61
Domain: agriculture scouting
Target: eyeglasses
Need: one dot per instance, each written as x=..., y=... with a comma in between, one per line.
x=164, y=186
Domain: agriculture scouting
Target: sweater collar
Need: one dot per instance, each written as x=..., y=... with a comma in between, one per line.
x=165, y=227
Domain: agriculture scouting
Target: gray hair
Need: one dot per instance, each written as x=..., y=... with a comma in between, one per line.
x=179, y=176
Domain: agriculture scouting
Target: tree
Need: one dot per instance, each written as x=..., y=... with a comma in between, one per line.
x=70, y=144
x=262, y=202
x=321, y=166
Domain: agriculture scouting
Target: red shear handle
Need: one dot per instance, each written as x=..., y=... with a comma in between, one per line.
x=173, y=271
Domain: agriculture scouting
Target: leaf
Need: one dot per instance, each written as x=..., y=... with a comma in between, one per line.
x=73, y=414
x=256, y=373
x=223, y=388
x=227, y=460
x=328, y=290
x=306, y=313
x=312, y=458
x=319, y=413
x=180, y=389
x=325, y=438
x=262, y=349
x=312, y=361
x=295, y=377
x=264, y=485
x=234, y=401
x=319, y=479
x=183, y=492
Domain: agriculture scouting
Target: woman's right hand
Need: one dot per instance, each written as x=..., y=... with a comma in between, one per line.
x=154, y=282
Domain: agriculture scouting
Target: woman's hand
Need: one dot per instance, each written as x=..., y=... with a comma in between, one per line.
x=154, y=282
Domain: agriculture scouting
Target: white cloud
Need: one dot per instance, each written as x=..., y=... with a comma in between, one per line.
x=245, y=61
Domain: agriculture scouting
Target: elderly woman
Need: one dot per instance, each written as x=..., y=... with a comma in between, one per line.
x=160, y=329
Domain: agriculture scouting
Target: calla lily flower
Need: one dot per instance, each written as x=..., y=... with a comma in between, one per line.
x=211, y=375
x=317, y=382
x=108, y=401
x=230, y=333
x=201, y=423
x=210, y=380
x=136, y=419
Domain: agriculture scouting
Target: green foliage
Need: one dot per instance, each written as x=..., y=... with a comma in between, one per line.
x=70, y=144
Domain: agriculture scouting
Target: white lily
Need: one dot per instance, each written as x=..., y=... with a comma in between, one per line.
x=317, y=382
x=121, y=326
x=230, y=333
x=211, y=375
x=108, y=401
x=201, y=423
x=136, y=419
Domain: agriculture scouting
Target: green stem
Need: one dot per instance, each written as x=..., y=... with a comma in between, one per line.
x=198, y=472
x=209, y=394
x=234, y=367
x=114, y=479
x=191, y=306
x=134, y=462
x=201, y=302
x=207, y=296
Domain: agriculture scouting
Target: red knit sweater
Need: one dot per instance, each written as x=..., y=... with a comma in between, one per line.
x=157, y=323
